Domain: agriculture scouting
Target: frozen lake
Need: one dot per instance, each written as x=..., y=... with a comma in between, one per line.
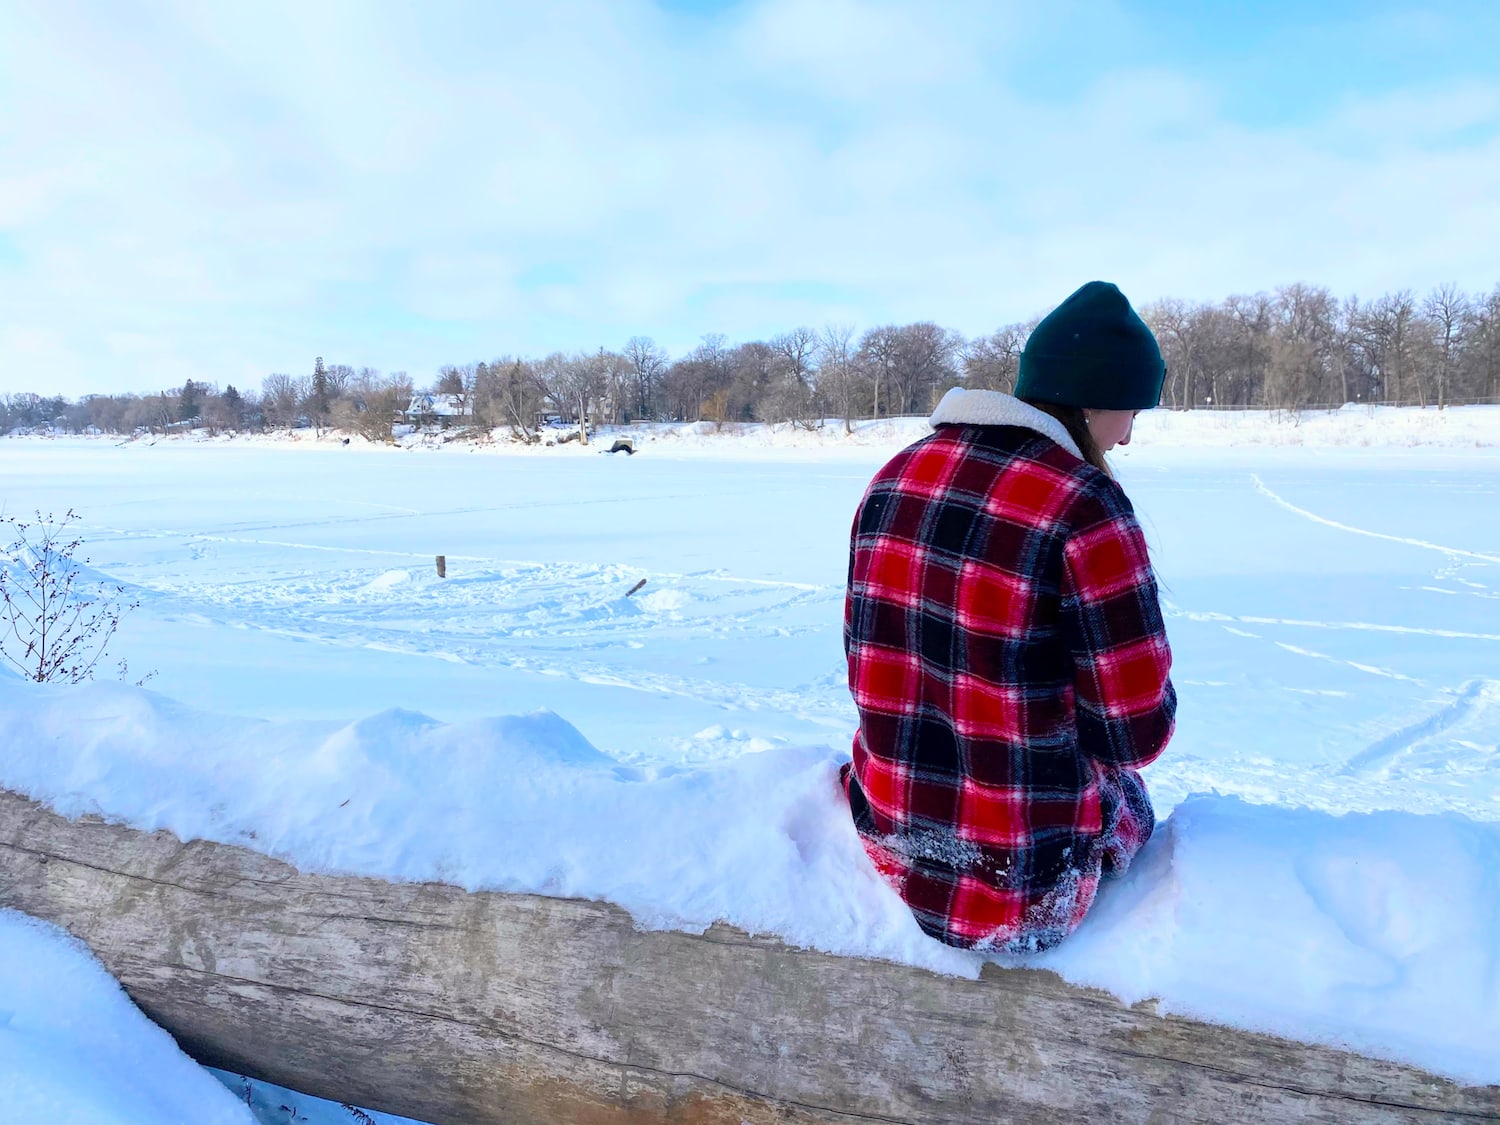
x=1335, y=613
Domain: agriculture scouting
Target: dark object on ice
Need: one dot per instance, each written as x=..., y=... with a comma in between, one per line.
x=442, y=566
x=346, y=441
x=634, y=588
x=425, y=1000
x=622, y=445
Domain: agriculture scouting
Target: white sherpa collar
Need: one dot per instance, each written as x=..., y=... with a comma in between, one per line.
x=993, y=408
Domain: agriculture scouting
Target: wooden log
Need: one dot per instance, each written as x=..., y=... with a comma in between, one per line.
x=447, y=1006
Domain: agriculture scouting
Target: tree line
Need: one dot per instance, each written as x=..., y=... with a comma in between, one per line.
x=1292, y=349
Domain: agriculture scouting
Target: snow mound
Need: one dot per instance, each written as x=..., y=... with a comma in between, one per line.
x=664, y=601
x=1379, y=932
x=74, y=1048
x=389, y=580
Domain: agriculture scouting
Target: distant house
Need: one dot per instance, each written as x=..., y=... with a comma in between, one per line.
x=439, y=409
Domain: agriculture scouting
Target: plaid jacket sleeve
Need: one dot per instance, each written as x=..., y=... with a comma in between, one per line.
x=1125, y=703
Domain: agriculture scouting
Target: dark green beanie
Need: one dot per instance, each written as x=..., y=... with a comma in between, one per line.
x=1093, y=351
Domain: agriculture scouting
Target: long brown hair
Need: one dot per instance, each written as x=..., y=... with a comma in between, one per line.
x=1077, y=425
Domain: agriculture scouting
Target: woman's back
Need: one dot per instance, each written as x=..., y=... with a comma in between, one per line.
x=1007, y=656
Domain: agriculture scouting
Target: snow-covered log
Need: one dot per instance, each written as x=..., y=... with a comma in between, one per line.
x=449, y=1006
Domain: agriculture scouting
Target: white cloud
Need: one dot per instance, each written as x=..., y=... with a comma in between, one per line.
x=1433, y=113
x=255, y=185
x=864, y=49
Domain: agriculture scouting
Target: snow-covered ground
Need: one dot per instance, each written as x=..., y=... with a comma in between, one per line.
x=75, y=1051
x=1330, y=868
x=73, y=1048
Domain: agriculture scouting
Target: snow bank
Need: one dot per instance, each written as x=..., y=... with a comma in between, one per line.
x=1372, y=427
x=1379, y=932
x=73, y=1048
x=1352, y=426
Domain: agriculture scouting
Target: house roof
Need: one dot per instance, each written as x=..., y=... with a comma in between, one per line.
x=440, y=405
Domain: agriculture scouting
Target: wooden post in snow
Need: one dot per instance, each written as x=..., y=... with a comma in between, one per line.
x=424, y=1000
x=442, y=566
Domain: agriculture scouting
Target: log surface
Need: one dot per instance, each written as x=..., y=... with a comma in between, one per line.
x=454, y=1007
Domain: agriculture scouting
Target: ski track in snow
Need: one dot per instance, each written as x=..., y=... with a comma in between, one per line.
x=1454, y=552
x=1479, y=593
x=1357, y=665
x=1446, y=750
x=1171, y=610
x=120, y=536
x=1296, y=623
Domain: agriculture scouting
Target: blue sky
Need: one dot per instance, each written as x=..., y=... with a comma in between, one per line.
x=220, y=191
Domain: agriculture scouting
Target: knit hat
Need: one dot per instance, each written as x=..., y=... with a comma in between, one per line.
x=1093, y=351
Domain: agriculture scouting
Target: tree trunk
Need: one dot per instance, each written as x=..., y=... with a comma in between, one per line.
x=447, y=1006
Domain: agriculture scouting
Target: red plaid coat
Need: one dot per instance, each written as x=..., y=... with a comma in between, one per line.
x=1009, y=662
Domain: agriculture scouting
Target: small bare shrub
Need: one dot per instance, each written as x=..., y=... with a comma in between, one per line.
x=55, y=623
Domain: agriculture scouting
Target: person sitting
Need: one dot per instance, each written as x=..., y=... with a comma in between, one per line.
x=1005, y=643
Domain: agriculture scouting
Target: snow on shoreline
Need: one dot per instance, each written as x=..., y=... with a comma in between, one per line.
x=1378, y=932
x=1350, y=427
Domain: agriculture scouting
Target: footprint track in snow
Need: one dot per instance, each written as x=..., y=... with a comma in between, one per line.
x=1471, y=702
x=547, y=619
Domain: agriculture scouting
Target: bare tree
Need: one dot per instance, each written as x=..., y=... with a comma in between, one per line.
x=1287, y=349
x=1177, y=325
x=281, y=399
x=837, y=371
x=877, y=355
x=993, y=362
x=1387, y=331
x=575, y=385
x=1301, y=363
x=519, y=396
x=1482, y=347
x=752, y=381
x=798, y=351
x=618, y=375
x=791, y=397
x=914, y=364
x=648, y=364
x=371, y=404
x=56, y=621
x=339, y=376
x=219, y=412
x=698, y=378
x=1449, y=313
